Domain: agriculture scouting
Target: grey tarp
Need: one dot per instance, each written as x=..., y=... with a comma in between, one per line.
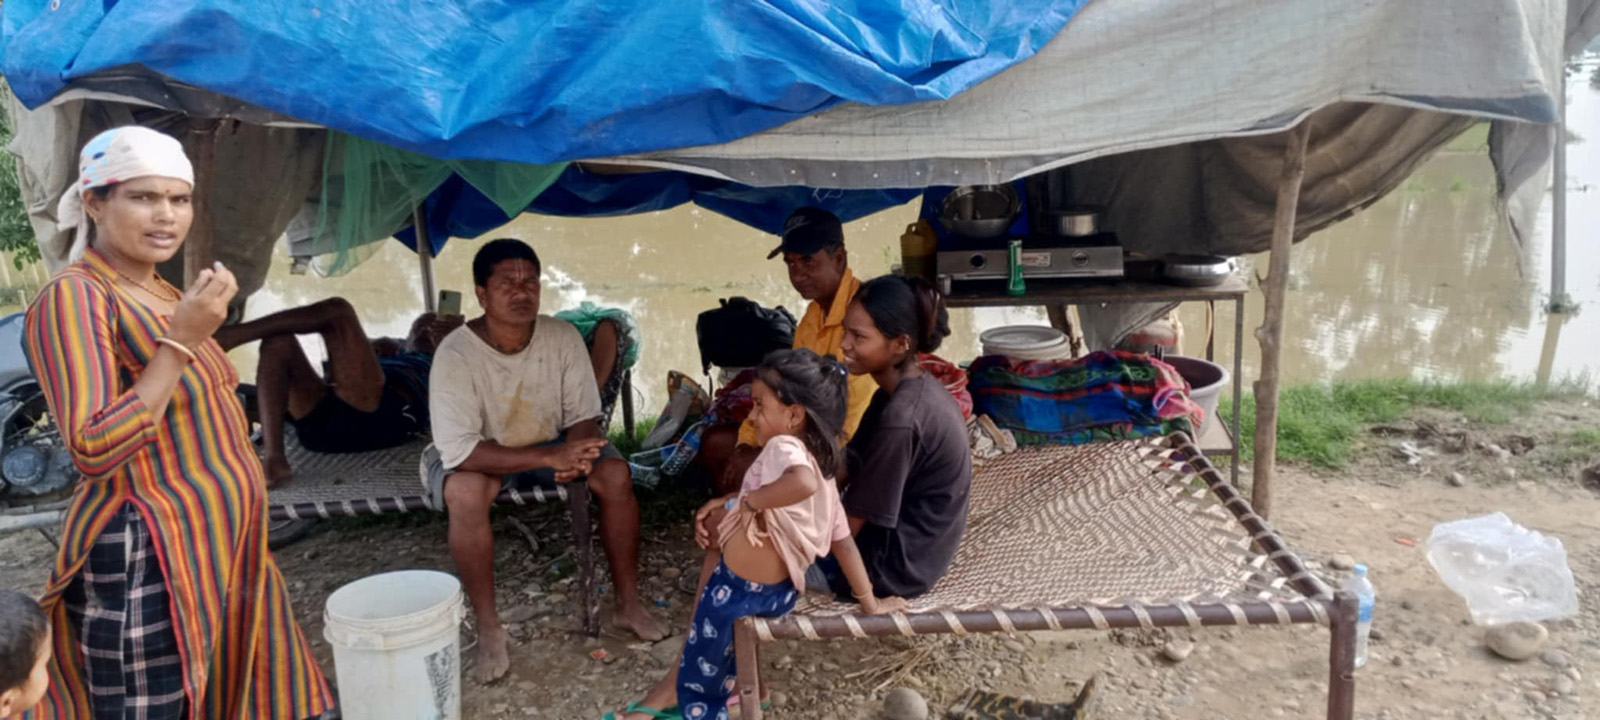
x=1170, y=113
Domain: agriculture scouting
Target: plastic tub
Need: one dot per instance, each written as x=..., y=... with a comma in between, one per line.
x=1026, y=342
x=1206, y=382
x=396, y=641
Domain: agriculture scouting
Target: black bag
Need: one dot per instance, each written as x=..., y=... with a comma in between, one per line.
x=741, y=333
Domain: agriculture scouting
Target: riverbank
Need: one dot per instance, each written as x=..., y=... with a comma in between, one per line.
x=1433, y=460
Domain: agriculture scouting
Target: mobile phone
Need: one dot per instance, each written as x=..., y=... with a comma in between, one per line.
x=449, y=302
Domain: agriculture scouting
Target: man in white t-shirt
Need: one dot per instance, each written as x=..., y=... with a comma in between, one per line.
x=513, y=399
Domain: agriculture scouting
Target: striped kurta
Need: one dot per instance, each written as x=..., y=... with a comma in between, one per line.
x=193, y=477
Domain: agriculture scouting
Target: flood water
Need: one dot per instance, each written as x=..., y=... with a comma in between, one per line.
x=1424, y=284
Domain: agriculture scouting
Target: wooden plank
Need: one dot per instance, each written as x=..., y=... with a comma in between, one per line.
x=1075, y=292
x=1216, y=441
x=1270, y=334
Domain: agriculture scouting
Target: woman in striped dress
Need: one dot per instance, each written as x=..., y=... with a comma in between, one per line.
x=164, y=600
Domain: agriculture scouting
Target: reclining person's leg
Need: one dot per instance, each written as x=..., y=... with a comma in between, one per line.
x=468, y=497
x=286, y=386
x=603, y=351
x=354, y=373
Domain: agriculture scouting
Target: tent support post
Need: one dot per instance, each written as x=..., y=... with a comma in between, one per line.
x=1558, y=210
x=430, y=296
x=1270, y=334
x=201, y=142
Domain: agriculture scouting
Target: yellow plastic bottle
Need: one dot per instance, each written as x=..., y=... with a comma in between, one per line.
x=918, y=247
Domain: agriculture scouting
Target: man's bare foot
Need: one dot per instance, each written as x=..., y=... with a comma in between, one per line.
x=634, y=617
x=493, y=660
x=278, y=471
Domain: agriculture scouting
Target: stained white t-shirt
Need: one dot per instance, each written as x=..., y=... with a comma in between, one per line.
x=477, y=393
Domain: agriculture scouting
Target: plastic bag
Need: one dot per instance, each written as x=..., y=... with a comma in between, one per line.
x=1505, y=572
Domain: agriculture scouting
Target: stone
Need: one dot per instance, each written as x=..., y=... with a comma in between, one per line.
x=1181, y=701
x=1556, y=659
x=1516, y=641
x=1407, y=605
x=518, y=614
x=557, y=599
x=1458, y=480
x=671, y=573
x=1177, y=651
x=1564, y=685
x=668, y=651
x=1535, y=697
x=1573, y=673
x=904, y=704
x=1342, y=562
x=1013, y=646
x=779, y=699
x=1377, y=635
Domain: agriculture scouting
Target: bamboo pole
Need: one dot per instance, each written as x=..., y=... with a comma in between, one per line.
x=430, y=298
x=1270, y=334
x=201, y=142
x=1558, y=209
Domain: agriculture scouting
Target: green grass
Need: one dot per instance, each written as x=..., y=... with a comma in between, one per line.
x=1319, y=425
x=1581, y=445
x=630, y=445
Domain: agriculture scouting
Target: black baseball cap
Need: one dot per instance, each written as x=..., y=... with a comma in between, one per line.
x=808, y=230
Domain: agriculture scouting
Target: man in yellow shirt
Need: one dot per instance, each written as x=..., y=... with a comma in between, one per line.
x=813, y=250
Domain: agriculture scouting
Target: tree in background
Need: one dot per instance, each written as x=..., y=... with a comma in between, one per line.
x=16, y=234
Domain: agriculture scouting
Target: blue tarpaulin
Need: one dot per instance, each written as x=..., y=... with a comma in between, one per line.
x=534, y=81
x=457, y=209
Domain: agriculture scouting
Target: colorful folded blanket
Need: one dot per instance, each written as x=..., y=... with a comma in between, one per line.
x=1101, y=397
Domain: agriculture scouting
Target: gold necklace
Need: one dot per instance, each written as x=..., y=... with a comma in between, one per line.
x=175, y=296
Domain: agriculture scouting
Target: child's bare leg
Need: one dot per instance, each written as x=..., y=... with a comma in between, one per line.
x=665, y=692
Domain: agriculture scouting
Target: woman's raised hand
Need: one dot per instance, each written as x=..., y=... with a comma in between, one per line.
x=204, y=306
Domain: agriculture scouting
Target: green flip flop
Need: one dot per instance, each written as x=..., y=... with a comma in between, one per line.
x=668, y=713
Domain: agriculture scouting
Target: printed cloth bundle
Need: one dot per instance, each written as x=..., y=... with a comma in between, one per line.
x=1102, y=397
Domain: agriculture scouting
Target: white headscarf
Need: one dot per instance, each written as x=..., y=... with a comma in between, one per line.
x=114, y=156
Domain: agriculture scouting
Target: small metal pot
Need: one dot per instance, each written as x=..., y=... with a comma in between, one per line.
x=1081, y=221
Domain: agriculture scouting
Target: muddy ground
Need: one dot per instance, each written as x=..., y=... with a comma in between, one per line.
x=1427, y=660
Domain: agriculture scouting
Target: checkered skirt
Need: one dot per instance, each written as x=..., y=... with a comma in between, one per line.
x=122, y=616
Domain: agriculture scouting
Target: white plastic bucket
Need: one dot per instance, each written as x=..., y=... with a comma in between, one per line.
x=396, y=641
x=1026, y=342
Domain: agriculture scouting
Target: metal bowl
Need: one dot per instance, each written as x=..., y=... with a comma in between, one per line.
x=980, y=211
x=1196, y=270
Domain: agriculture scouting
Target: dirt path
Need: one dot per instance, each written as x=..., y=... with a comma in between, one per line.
x=1427, y=660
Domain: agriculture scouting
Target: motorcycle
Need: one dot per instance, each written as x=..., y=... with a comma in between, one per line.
x=37, y=475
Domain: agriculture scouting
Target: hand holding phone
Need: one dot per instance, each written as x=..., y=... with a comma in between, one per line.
x=449, y=303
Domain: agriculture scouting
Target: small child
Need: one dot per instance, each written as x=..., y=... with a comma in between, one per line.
x=24, y=653
x=786, y=515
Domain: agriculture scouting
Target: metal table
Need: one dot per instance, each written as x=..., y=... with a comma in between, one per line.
x=1055, y=295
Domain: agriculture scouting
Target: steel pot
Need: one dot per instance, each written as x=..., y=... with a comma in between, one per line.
x=1196, y=270
x=980, y=211
x=1081, y=221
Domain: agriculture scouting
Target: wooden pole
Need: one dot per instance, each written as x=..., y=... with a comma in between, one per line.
x=430, y=297
x=200, y=143
x=1270, y=334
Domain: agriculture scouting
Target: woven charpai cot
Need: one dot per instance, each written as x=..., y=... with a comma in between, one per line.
x=370, y=483
x=1126, y=524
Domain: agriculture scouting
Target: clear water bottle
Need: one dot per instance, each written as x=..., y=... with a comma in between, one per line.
x=1367, y=596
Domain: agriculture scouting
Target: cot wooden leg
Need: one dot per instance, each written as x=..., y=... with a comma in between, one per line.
x=1342, y=658
x=627, y=402
x=749, y=667
x=583, y=541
